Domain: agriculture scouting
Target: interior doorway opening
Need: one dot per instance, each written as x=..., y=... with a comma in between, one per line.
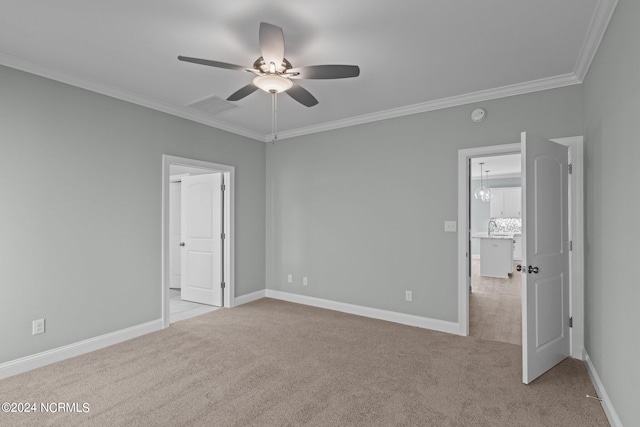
x=197, y=247
x=495, y=309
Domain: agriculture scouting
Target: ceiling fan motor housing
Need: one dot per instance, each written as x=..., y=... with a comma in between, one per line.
x=263, y=67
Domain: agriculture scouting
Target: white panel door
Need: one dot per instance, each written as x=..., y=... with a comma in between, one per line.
x=201, y=218
x=174, y=235
x=545, y=275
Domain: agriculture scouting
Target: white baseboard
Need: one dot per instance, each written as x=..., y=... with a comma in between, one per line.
x=24, y=364
x=375, y=313
x=254, y=296
x=609, y=411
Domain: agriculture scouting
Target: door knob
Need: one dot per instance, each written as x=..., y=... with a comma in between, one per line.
x=519, y=267
x=533, y=270
x=181, y=243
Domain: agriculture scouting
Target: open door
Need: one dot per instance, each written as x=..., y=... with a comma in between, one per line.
x=201, y=231
x=545, y=265
x=174, y=235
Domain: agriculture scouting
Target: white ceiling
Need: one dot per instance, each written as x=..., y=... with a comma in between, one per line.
x=414, y=55
x=508, y=165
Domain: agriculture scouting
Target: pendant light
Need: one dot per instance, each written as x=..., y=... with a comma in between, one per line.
x=482, y=193
x=491, y=195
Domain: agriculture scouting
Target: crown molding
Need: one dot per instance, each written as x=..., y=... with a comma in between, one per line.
x=454, y=101
x=124, y=95
x=598, y=26
x=196, y=116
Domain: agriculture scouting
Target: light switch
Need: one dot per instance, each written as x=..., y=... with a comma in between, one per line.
x=450, y=226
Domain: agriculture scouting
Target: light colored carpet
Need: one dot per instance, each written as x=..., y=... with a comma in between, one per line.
x=273, y=363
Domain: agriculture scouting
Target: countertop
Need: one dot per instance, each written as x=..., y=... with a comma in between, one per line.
x=497, y=235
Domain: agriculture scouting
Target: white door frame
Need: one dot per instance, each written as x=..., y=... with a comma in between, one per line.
x=229, y=264
x=576, y=229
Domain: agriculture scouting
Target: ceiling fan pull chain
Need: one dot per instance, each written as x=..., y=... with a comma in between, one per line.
x=274, y=116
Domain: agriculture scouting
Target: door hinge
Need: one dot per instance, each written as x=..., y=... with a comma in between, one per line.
x=222, y=236
x=223, y=285
x=570, y=168
x=570, y=245
x=223, y=187
x=571, y=321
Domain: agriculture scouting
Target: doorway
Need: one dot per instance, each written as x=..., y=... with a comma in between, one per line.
x=495, y=307
x=184, y=213
x=203, y=175
x=576, y=226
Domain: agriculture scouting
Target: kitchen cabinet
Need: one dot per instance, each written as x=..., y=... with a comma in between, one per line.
x=517, y=248
x=506, y=203
x=496, y=257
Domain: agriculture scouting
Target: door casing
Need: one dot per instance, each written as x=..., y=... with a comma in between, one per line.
x=229, y=269
x=576, y=227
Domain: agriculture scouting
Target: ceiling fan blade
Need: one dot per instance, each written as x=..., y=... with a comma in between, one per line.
x=302, y=95
x=242, y=92
x=211, y=63
x=325, y=72
x=271, y=44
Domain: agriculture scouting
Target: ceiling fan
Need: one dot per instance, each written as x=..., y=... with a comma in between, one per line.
x=274, y=74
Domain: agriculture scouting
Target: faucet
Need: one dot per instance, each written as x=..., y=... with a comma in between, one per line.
x=489, y=227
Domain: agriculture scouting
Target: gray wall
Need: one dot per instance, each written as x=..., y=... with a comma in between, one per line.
x=80, y=217
x=361, y=210
x=612, y=152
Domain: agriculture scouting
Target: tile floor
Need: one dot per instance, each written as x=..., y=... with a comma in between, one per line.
x=180, y=310
x=495, y=307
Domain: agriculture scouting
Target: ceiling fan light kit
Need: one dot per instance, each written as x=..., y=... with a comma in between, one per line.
x=272, y=83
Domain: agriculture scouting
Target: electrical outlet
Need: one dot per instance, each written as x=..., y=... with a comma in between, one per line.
x=408, y=295
x=290, y=278
x=305, y=282
x=38, y=327
x=450, y=226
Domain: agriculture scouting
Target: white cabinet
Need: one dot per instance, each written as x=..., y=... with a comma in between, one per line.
x=506, y=203
x=496, y=257
x=497, y=203
x=517, y=248
x=513, y=202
